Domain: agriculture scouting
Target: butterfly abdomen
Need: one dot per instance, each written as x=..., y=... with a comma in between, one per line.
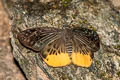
x=69, y=47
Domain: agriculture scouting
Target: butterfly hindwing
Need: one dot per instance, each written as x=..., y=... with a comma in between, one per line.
x=83, y=48
x=81, y=55
x=55, y=55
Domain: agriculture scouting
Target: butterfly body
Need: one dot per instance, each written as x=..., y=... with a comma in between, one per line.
x=61, y=47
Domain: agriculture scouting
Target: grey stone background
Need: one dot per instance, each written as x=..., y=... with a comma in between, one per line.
x=9, y=70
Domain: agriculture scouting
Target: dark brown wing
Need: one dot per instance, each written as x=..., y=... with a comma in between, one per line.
x=87, y=37
x=37, y=38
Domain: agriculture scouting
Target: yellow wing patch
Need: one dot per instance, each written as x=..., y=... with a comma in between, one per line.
x=63, y=59
x=80, y=59
x=58, y=60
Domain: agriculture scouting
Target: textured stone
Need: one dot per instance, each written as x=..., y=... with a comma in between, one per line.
x=99, y=15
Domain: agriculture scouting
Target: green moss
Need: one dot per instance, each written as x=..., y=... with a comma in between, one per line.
x=102, y=74
x=107, y=78
x=117, y=46
x=89, y=26
x=98, y=64
x=66, y=2
x=83, y=21
x=93, y=28
x=118, y=73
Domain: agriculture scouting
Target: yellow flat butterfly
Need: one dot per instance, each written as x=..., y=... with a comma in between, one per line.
x=61, y=47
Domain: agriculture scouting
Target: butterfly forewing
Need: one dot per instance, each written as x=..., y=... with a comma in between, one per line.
x=37, y=38
x=87, y=37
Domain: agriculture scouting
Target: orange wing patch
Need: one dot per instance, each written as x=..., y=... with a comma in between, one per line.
x=58, y=60
x=80, y=59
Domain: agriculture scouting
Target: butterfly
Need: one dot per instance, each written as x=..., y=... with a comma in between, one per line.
x=61, y=47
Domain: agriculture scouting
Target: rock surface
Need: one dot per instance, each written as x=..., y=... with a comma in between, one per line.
x=101, y=16
x=8, y=69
